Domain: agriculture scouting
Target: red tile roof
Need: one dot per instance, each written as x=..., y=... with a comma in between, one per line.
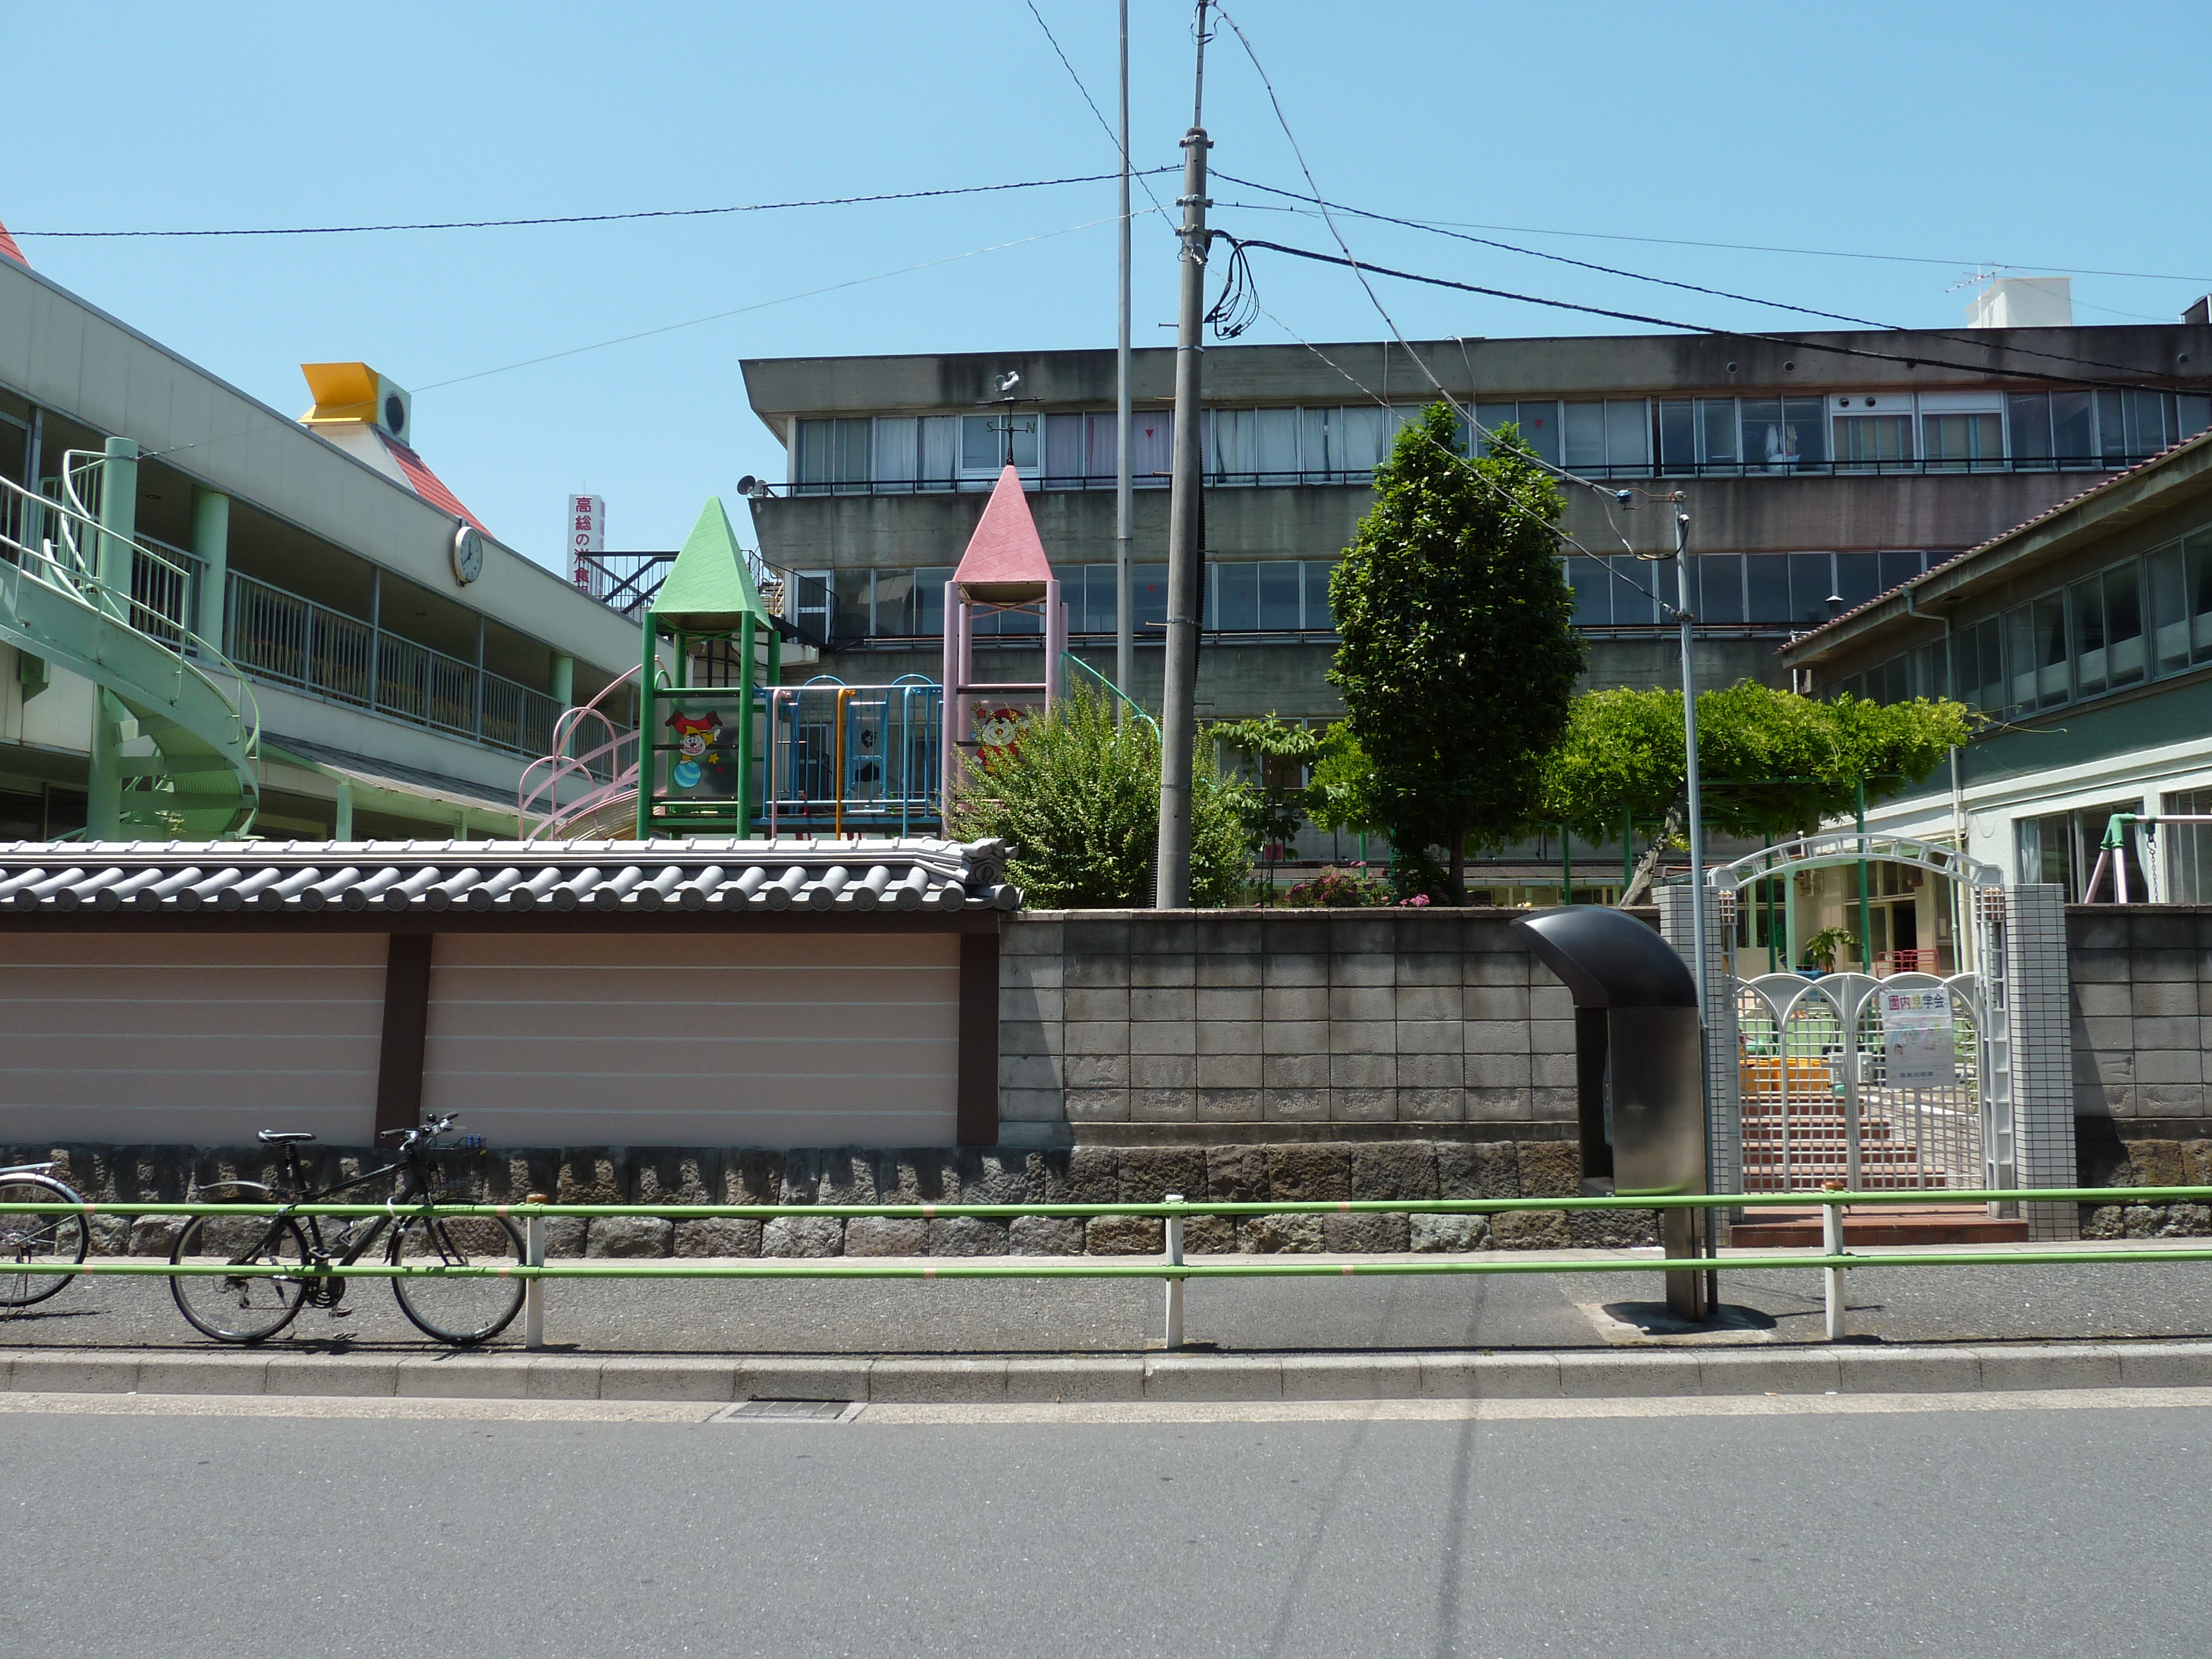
x=9, y=248
x=1005, y=560
x=427, y=483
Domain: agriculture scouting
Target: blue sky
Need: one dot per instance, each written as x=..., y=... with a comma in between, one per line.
x=2053, y=139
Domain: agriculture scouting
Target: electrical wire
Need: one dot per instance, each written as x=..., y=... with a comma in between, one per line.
x=1436, y=229
x=1112, y=137
x=785, y=299
x=609, y=218
x=1914, y=361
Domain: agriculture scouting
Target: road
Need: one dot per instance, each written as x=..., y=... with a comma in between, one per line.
x=1248, y=1315
x=1820, y=1530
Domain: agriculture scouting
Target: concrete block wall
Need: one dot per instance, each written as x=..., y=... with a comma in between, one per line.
x=2141, y=1016
x=1260, y=1025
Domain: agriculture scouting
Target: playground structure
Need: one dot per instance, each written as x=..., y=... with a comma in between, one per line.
x=174, y=752
x=734, y=751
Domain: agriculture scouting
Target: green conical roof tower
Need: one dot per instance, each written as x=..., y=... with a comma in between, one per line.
x=708, y=589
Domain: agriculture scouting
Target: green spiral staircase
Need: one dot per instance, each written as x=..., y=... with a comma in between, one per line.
x=93, y=598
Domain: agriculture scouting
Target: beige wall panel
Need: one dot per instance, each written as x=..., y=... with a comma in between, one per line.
x=758, y=1041
x=198, y=1038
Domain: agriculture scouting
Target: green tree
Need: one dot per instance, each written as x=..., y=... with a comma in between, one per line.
x=1771, y=763
x=1459, y=655
x=1077, y=799
x=1275, y=807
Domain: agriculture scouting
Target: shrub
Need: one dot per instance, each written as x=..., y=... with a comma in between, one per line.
x=1337, y=888
x=1077, y=799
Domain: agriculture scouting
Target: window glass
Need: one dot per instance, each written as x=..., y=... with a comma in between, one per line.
x=1858, y=578
x=2147, y=420
x=1278, y=596
x=1720, y=588
x=1872, y=440
x=1231, y=437
x=1716, y=432
x=1100, y=446
x=894, y=602
x=2193, y=413
x=2124, y=624
x=1677, y=435
x=2189, y=848
x=1627, y=432
x=1151, y=446
x=1235, y=598
x=2169, y=607
x=1317, y=618
x=2047, y=845
x=898, y=449
x=1766, y=580
x=2073, y=426
x=1780, y=433
x=2029, y=416
x=927, y=614
x=854, y=590
x=1585, y=434
x=1811, y=581
x=1314, y=434
x=1063, y=448
x=1962, y=440
x=1593, y=604
x=1360, y=434
x=2087, y=597
x=2198, y=548
x=1149, y=583
x=1988, y=686
x=1540, y=427
x=1898, y=568
x=1630, y=607
x=941, y=450
x=813, y=458
x=987, y=441
x=1275, y=444
x=2035, y=651
x=1091, y=611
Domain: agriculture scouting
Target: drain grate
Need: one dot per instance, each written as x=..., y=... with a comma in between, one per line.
x=788, y=1411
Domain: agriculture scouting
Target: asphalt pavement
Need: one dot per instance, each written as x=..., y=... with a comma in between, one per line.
x=1869, y=1532
x=2000, y=1303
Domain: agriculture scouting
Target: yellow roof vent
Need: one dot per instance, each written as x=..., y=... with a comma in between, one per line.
x=354, y=392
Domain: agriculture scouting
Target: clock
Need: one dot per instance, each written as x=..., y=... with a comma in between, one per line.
x=468, y=552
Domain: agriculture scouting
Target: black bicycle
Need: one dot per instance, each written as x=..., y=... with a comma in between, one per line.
x=461, y=1309
x=51, y=1239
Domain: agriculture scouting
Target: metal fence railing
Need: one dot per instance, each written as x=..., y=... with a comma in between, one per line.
x=1171, y=1266
x=277, y=635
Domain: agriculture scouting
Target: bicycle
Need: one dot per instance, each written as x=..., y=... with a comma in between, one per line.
x=462, y=1311
x=25, y=1238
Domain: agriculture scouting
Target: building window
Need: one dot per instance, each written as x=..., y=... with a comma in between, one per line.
x=2188, y=848
x=989, y=442
x=1537, y=422
x=1978, y=666
x=833, y=455
x=1610, y=437
x=1870, y=441
x=1717, y=595
x=1781, y=433
x=2036, y=654
x=1963, y=440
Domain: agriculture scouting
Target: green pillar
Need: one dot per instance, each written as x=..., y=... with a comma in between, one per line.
x=119, y=523
x=645, y=732
x=563, y=686
x=746, y=795
x=342, y=829
x=211, y=546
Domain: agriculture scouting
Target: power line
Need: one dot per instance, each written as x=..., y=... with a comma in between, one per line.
x=1434, y=229
x=609, y=218
x=1112, y=137
x=762, y=305
x=1914, y=360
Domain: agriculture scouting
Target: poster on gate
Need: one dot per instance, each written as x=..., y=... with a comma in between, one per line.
x=1918, y=1038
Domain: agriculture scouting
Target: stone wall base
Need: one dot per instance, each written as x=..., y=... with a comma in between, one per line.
x=1381, y=1170
x=2145, y=1161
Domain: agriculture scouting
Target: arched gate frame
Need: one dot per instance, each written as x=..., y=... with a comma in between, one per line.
x=2004, y=1120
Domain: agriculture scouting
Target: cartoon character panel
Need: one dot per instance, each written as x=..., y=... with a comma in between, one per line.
x=695, y=754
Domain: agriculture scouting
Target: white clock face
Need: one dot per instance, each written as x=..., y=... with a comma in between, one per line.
x=468, y=554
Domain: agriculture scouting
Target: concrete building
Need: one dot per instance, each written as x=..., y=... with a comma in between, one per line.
x=2083, y=636
x=1814, y=467
x=405, y=663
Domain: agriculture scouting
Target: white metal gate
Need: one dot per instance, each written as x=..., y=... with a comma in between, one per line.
x=1874, y=1084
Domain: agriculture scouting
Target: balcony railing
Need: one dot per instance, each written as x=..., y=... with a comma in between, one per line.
x=279, y=636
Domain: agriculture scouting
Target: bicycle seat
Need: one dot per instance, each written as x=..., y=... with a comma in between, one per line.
x=278, y=1137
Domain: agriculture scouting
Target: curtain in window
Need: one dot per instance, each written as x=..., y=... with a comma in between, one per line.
x=1360, y=434
x=941, y=450
x=1063, y=448
x=898, y=449
x=1151, y=446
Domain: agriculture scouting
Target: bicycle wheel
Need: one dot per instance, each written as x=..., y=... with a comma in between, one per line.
x=240, y=1309
x=465, y=1308
x=26, y=1240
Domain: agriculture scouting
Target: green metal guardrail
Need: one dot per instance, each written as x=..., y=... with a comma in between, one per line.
x=1170, y=1267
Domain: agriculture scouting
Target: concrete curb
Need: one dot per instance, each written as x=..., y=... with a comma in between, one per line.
x=1577, y=1373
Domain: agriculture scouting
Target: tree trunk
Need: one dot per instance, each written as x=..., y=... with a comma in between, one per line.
x=1457, y=869
x=1647, y=868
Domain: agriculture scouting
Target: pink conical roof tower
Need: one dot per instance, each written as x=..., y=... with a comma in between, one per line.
x=1004, y=563
x=9, y=249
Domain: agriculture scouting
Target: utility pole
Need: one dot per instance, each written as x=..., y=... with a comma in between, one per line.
x=1125, y=588
x=1186, y=555
x=1686, y=615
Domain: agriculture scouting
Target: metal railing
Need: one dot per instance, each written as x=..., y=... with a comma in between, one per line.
x=279, y=636
x=1171, y=1266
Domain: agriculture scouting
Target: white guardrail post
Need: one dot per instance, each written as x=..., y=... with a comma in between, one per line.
x=533, y=1290
x=1832, y=1243
x=1172, y=1332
